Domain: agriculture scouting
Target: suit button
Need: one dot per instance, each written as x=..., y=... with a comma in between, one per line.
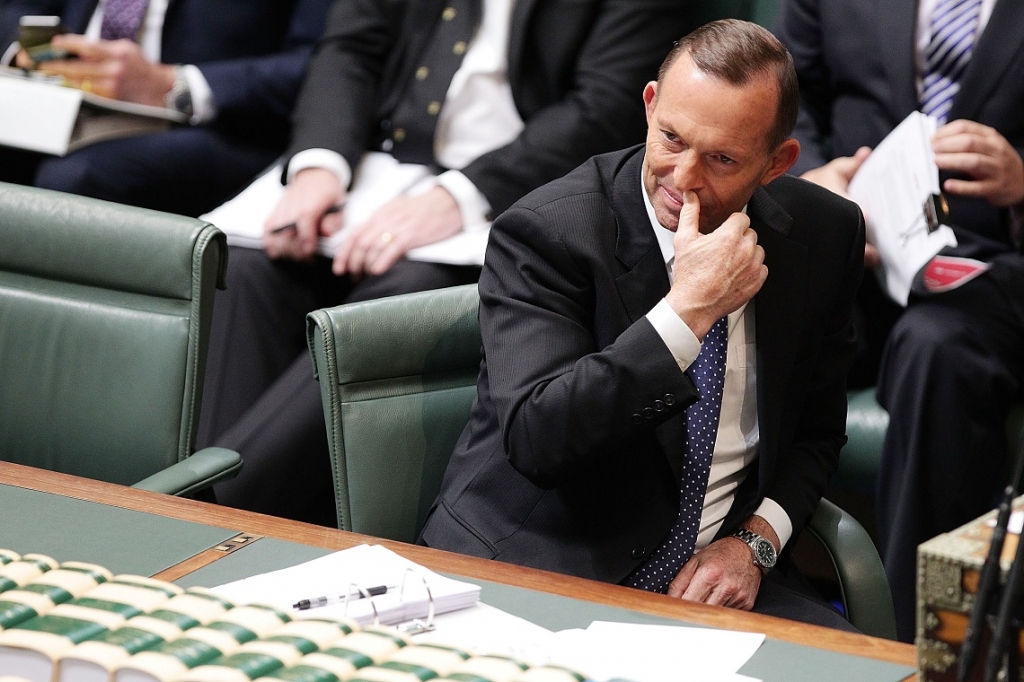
x=638, y=553
x=648, y=413
x=659, y=406
x=670, y=399
x=638, y=418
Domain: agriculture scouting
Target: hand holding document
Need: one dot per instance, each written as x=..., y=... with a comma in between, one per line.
x=898, y=187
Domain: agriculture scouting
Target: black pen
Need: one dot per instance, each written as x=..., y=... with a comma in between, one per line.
x=987, y=584
x=292, y=226
x=316, y=602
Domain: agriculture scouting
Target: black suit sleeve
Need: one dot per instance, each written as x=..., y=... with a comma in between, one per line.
x=338, y=103
x=806, y=465
x=566, y=395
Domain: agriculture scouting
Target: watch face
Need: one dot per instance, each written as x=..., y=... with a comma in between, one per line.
x=765, y=553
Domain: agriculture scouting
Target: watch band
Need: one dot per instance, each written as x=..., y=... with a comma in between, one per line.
x=764, y=552
x=179, y=97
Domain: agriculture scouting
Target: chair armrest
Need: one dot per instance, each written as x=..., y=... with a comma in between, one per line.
x=197, y=472
x=865, y=590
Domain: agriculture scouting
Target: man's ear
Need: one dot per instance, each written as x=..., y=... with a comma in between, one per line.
x=782, y=159
x=650, y=99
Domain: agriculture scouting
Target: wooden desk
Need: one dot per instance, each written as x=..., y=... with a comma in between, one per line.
x=469, y=567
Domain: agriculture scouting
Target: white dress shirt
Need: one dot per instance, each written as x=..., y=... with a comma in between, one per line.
x=738, y=435
x=479, y=115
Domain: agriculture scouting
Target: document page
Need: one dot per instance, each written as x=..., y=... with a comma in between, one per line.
x=378, y=179
x=893, y=187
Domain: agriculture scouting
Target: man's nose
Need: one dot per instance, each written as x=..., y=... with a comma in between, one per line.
x=688, y=174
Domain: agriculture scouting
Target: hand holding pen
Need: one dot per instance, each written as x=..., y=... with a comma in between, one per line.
x=336, y=208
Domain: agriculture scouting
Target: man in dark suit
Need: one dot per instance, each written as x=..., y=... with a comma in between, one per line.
x=538, y=86
x=952, y=364
x=584, y=454
x=233, y=66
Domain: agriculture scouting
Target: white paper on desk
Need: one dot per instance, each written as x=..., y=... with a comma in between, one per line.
x=654, y=653
x=378, y=179
x=1015, y=525
x=892, y=187
x=365, y=566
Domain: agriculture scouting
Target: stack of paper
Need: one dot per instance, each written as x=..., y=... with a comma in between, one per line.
x=410, y=588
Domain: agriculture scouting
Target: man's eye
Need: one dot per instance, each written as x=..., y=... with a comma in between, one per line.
x=671, y=137
x=723, y=159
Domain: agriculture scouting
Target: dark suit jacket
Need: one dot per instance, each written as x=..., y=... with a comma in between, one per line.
x=253, y=53
x=855, y=61
x=576, y=67
x=572, y=458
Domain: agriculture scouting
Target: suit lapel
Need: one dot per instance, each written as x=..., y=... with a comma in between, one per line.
x=779, y=314
x=898, y=22
x=645, y=279
x=1002, y=38
x=77, y=15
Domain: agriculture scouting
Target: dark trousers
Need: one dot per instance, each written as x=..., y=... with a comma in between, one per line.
x=950, y=371
x=260, y=397
x=185, y=170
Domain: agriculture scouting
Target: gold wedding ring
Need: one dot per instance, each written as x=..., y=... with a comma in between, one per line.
x=386, y=237
x=87, y=85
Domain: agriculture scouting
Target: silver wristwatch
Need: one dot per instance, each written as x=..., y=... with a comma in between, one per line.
x=179, y=98
x=765, y=555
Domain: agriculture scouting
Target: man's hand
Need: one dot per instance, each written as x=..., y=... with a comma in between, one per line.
x=112, y=68
x=723, y=573
x=400, y=225
x=980, y=152
x=713, y=274
x=305, y=202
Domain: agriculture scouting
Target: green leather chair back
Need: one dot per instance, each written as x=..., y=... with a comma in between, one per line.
x=104, y=314
x=759, y=11
x=398, y=378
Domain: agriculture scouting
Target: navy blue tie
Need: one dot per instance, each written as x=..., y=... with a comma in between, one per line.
x=708, y=374
x=122, y=19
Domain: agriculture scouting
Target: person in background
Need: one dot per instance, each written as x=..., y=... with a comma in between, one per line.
x=951, y=365
x=233, y=67
x=482, y=101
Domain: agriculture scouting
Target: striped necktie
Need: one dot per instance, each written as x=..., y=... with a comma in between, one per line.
x=954, y=26
x=708, y=374
x=122, y=19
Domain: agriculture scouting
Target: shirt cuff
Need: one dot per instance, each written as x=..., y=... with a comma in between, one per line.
x=681, y=341
x=321, y=158
x=204, y=109
x=473, y=205
x=10, y=53
x=777, y=518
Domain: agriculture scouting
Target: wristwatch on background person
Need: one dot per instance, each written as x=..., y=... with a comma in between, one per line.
x=179, y=97
x=765, y=555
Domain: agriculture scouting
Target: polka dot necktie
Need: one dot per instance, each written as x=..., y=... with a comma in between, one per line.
x=708, y=374
x=954, y=25
x=122, y=19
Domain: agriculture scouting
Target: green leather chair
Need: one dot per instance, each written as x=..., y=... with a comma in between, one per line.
x=104, y=318
x=398, y=378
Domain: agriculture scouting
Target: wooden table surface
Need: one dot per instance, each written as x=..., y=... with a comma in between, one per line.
x=469, y=567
